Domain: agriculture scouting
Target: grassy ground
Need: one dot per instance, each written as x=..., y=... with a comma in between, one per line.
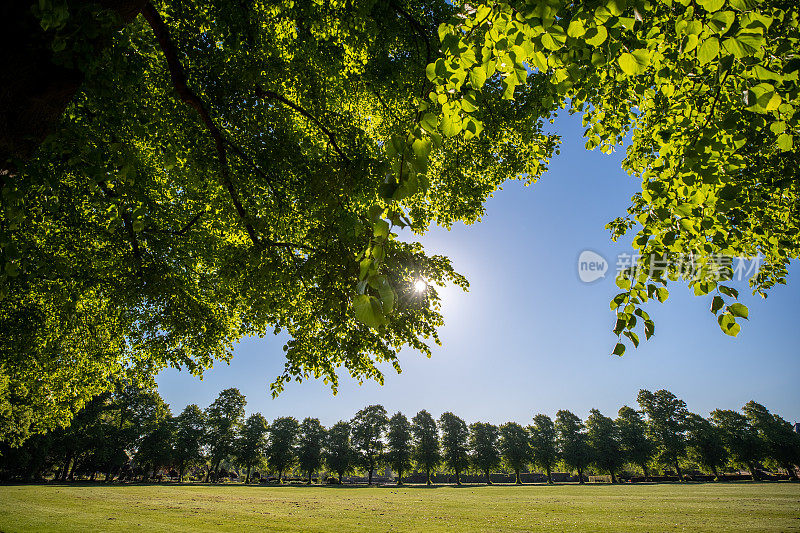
x=666, y=507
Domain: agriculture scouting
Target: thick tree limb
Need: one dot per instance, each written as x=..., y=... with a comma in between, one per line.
x=180, y=83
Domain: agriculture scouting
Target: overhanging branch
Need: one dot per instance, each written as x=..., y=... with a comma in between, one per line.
x=179, y=82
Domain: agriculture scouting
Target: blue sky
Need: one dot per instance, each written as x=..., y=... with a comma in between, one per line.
x=529, y=337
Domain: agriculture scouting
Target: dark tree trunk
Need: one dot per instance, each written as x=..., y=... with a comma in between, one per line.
x=428, y=472
x=488, y=478
x=369, y=476
x=518, y=481
x=310, y=475
x=458, y=477
x=580, y=476
x=613, y=477
x=35, y=88
x=399, y=477
x=752, y=468
x=340, y=477
x=247, y=478
x=549, y=475
x=678, y=469
x=66, y=467
x=646, y=471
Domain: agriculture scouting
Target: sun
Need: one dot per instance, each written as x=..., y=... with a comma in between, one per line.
x=420, y=285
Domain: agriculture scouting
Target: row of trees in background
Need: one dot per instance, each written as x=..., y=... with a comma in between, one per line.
x=131, y=434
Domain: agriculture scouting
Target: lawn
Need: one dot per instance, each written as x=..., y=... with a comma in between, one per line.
x=665, y=507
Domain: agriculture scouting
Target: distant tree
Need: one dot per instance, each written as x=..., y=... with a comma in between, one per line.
x=455, y=443
x=484, y=449
x=368, y=427
x=782, y=443
x=224, y=417
x=572, y=442
x=252, y=442
x=544, y=450
x=281, y=450
x=740, y=438
x=156, y=449
x=130, y=415
x=515, y=448
x=604, y=440
x=311, y=441
x=190, y=427
x=666, y=425
x=339, y=453
x=636, y=447
x=427, y=452
x=398, y=445
x=704, y=442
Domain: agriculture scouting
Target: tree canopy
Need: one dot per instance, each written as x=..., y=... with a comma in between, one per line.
x=175, y=176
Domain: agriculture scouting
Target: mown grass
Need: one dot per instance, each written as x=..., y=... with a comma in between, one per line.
x=665, y=507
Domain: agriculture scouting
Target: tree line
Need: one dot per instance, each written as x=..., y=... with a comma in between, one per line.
x=130, y=434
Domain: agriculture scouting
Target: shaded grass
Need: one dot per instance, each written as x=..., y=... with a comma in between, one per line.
x=664, y=507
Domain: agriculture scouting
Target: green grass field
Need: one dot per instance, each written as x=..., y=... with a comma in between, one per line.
x=666, y=507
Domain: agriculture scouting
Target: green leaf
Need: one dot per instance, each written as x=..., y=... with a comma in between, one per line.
x=708, y=50
x=729, y=291
x=596, y=36
x=662, y=294
x=633, y=337
x=727, y=323
x=711, y=5
x=716, y=304
x=368, y=311
x=451, y=125
x=619, y=349
x=429, y=123
x=477, y=76
x=380, y=228
x=739, y=310
x=576, y=29
x=785, y=142
x=635, y=62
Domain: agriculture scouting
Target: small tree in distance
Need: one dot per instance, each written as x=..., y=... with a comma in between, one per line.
x=281, y=450
x=311, y=440
x=483, y=448
x=367, y=429
x=398, y=449
x=339, y=453
x=544, y=451
x=666, y=425
x=189, y=432
x=252, y=442
x=223, y=419
x=740, y=438
x=455, y=437
x=603, y=437
x=427, y=452
x=636, y=447
x=705, y=444
x=515, y=448
x=572, y=442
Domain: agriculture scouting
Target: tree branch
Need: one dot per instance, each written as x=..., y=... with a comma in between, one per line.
x=128, y=223
x=261, y=93
x=419, y=28
x=179, y=82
